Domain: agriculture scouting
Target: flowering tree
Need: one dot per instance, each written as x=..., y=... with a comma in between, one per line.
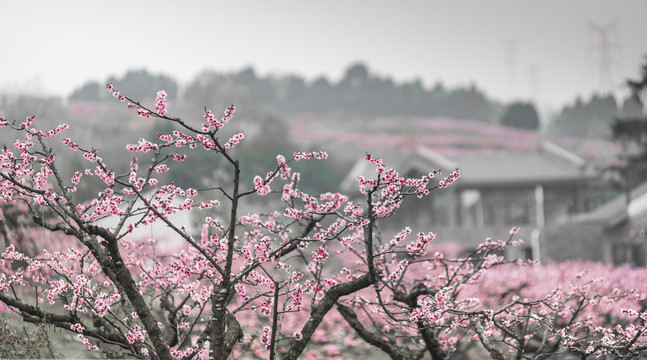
x=263, y=285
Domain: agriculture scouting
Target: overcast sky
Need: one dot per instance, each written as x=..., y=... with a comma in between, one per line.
x=544, y=49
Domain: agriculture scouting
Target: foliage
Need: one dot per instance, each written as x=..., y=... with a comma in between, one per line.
x=632, y=107
x=255, y=158
x=307, y=275
x=521, y=115
x=138, y=83
x=587, y=119
x=359, y=91
x=90, y=91
x=26, y=345
x=631, y=130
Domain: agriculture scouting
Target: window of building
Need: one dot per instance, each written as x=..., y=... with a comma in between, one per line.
x=510, y=207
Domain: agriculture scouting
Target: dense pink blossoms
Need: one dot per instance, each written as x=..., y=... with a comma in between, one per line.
x=307, y=270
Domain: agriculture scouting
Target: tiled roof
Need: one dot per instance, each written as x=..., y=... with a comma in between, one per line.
x=516, y=168
x=616, y=211
x=484, y=170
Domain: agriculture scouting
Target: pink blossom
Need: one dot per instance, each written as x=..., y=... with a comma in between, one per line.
x=160, y=103
x=310, y=155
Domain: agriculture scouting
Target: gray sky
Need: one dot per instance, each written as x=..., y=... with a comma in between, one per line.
x=543, y=49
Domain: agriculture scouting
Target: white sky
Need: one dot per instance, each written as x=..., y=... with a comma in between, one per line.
x=55, y=46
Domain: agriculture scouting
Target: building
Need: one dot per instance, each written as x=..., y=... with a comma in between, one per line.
x=534, y=190
x=614, y=232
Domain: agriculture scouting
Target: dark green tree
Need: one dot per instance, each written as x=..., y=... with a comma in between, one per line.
x=90, y=91
x=260, y=89
x=140, y=84
x=521, y=115
x=632, y=107
x=321, y=96
x=354, y=89
x=587, y=119
x=631, y=131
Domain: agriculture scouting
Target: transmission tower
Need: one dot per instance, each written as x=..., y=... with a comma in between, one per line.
x=604, y=47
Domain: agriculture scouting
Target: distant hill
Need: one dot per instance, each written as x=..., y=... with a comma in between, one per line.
x=358, y=92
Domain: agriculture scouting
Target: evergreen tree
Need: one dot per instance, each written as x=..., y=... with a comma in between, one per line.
x=631, y=130
x=521, y=115
x=90, y=91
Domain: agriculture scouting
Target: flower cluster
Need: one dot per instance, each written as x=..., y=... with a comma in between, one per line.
x=310, y=155
x=143, y=146
x=115, y=93
x=450, y=179
x=214, y=122
x=76, y=178
x=265, y=336
x=57, y=130
x=419, y=246
x=234, y=140
x=262, y=188
x=77, y=327
x=87, y=343
x=284, y=170
x=160, y=103
x=136, y=334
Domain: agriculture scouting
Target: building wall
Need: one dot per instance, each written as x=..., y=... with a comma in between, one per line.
x=586, y=241
x=491, y=206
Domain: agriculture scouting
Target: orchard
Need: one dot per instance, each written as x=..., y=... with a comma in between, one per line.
x=309, y=278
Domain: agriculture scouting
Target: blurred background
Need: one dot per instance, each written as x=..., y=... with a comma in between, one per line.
x=521, y=96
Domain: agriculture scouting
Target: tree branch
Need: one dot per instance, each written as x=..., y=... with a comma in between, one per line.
x=296, y=347
x=383, y=344
x=124, y=277
x=494, y=351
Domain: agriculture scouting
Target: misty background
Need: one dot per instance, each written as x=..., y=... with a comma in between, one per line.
x=545, y=51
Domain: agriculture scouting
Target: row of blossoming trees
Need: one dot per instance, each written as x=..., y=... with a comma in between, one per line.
x=311, y=277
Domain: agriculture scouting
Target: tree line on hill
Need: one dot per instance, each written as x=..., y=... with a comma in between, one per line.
x=365, y=93
x=257, y=97
x=593, y=118
x=358, y=92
